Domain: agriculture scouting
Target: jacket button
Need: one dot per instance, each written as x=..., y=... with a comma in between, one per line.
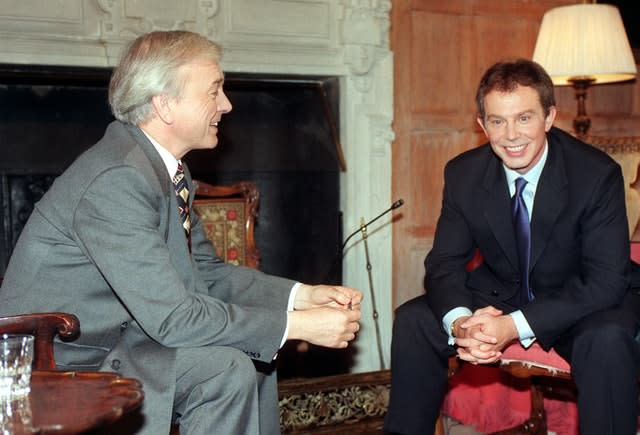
x=124, y=325
x=494, y=293
x=115, y=364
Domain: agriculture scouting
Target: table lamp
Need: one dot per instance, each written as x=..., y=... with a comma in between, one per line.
x=582, y=45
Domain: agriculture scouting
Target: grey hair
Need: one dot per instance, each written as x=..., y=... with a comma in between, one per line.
x=150, y=67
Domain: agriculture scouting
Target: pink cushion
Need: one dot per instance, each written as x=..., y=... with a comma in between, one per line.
x=635, y=251
x=491, y=400
x=535, y=355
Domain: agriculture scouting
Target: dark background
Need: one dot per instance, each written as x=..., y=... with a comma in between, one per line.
x=629, y=10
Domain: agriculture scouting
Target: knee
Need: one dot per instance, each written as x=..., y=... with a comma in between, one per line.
x=606, y=342
x=411, y=312
x=221, y=371
x=242, y=370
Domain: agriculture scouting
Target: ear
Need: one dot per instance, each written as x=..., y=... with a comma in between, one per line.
x=481, y=124
x=548, y=121
x=162, y=107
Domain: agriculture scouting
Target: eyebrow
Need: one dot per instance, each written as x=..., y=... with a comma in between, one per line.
x=218, y=81
x=525, y=112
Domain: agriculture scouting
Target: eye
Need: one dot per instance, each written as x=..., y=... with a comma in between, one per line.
x=525, y=118
x=496, y=122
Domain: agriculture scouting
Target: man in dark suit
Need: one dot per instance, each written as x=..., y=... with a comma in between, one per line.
x=561, y=277
x=113, y=242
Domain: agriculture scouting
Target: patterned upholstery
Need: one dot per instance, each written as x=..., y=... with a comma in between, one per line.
x=228, y=215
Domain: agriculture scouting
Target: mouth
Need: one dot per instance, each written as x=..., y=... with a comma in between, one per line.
x=514, y=149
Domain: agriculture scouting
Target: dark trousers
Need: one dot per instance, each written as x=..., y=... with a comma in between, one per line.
x=604, y=356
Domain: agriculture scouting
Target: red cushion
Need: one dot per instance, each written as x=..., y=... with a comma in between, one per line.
x=635, y=251
x=535, y=355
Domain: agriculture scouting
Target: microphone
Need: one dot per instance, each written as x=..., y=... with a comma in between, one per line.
x=340, y=252
x=395, y=205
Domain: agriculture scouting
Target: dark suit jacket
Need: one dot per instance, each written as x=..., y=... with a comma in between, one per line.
x=580, y=242
x=106, y=243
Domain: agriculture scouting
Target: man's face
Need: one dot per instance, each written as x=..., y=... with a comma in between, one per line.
x=516, y=126
x=198, y=110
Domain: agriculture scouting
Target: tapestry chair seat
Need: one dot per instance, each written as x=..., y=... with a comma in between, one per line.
x=228, y=215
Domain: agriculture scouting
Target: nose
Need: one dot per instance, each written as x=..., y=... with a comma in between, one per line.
x=224, y=105
x=512, y=130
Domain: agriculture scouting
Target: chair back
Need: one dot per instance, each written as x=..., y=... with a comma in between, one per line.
x=228, y=215
x=625, y=150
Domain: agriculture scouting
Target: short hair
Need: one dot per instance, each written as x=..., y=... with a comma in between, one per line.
x=150, y=67
x=505, y=76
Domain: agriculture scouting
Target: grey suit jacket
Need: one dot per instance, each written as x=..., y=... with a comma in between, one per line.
x=106, y=244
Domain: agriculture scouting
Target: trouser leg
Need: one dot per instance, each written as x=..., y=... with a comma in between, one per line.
x=216, y=392
x=419, y=364
x=268, y=400
x=605, y=364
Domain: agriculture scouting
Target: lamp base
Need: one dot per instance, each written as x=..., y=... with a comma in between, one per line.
x=581, y=122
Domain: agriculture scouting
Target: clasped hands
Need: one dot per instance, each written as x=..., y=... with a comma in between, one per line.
x=325, y=315
x=481, y=337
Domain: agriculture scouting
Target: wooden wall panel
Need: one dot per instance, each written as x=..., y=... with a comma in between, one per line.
x=440, y=51
x=426, y=70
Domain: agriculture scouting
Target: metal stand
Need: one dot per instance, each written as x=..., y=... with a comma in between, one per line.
x=363, y=230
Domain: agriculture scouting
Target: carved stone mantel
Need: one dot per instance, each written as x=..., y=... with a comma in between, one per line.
x=342, y=38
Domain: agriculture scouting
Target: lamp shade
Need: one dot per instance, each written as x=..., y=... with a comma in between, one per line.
x=584, y=41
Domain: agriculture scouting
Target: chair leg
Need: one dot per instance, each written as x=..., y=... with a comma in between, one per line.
x=439, y=426
x=536, y=424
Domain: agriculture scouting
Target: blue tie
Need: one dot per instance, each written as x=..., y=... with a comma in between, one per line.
x=522, y=228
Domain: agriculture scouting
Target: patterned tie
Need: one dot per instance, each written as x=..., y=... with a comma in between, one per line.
x=182, y=195
x=522, y=227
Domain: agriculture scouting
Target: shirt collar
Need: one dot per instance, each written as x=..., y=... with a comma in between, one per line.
x=169, y=160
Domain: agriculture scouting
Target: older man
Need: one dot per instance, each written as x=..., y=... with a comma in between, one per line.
x=115, y=242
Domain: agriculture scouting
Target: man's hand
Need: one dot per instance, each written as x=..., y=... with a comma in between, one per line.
x=309, y=297
x=482, y=336
x=324, y=326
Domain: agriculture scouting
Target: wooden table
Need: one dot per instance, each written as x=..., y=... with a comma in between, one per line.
x=71, y=402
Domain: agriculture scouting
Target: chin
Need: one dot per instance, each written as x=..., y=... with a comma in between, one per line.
x=516, y=165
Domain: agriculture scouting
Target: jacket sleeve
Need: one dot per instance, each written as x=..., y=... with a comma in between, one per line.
x=453, y=248
x=121, y=225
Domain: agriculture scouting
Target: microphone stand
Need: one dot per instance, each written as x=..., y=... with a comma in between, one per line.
x=340, y=253
x=363, y=229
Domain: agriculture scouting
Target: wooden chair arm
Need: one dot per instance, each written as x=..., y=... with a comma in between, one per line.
x=44, y=327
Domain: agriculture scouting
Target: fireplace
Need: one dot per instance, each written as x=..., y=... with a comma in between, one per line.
x=280, y=135
x=343, y=44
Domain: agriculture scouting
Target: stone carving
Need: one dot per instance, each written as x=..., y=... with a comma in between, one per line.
x=118, y=21
x=365, y=30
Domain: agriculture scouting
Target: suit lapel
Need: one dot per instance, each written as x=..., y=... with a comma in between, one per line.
x=551, y=198
x=497, y=209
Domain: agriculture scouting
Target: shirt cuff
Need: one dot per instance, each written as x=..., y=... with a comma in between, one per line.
x=290, y=304
x=525, y=333
x=450, y=317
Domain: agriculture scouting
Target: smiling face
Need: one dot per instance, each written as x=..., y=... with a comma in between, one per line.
x=195, y=114
x=516, y=126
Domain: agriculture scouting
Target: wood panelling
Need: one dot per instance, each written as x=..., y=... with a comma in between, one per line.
x=440, y=51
